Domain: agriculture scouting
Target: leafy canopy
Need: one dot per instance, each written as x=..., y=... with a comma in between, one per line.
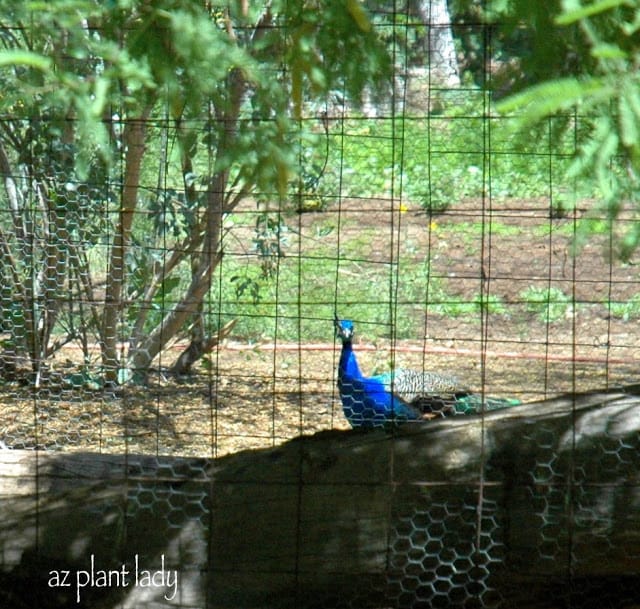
x=602, y=93
x=85, y=59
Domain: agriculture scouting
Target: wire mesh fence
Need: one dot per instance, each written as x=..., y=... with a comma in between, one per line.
x=156, y=312
x=487, y=288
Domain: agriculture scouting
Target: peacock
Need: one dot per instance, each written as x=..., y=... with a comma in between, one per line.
x=401, y=395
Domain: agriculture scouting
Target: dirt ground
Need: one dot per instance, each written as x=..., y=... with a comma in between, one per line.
x=261, y=395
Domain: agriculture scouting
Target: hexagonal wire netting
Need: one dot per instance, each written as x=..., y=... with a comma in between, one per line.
x=163, y=353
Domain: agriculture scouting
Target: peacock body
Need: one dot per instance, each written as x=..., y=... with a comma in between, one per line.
x=403, y=394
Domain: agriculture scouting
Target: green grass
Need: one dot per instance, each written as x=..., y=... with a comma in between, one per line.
x=434, y=161
x=458, y=308
x=550, y=304
x=296, y=302
x=298, y=298
x=569, y=228
x=625, y=310
x=472, y=231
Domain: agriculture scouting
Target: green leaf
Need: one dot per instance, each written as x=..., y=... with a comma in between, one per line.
x=552, y=97
x=359, y=15
x=100, y=93
x=629, y=132
x=296, y=89
x=608, y=51
x=588, y=11
x=25, y=58
x=630, y=28
x=607, y=145
x=632, y=95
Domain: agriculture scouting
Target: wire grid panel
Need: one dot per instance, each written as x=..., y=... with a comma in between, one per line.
x=448, y=244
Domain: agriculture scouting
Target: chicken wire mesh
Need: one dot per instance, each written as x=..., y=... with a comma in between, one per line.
x=450, y=245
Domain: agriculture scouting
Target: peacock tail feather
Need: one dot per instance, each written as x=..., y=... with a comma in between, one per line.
x=413, y=384
x=474, y=403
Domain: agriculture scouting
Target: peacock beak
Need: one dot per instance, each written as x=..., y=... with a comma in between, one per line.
x=344, y=329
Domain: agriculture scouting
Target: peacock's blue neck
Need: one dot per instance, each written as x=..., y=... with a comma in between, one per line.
x=348, y=368
x=367, y=402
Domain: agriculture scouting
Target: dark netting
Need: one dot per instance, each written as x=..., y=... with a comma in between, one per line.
x=179, y=423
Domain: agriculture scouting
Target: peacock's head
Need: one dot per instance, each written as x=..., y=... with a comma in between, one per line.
x=344, y=329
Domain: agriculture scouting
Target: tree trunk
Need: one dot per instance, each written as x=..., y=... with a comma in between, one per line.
x=199, y=348
x=173, y=321
x=13, y=265
x=532, y=506
x=134, y=144
x=203, y=263
x=443, y=61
